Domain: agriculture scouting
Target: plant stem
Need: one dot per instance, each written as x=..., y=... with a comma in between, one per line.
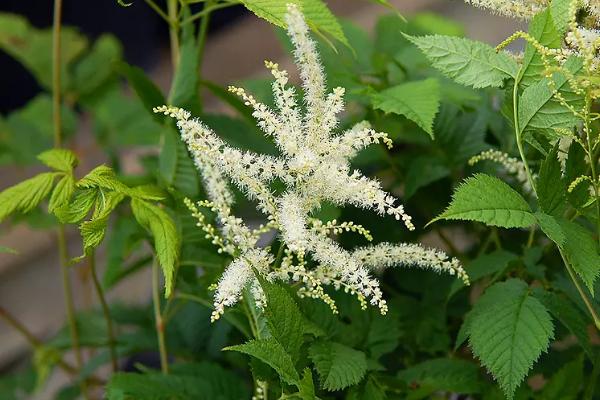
x=61, y=241
x=590, y=151
x=158, y=10
x=582, y=293
x=35, y=343
x=56, y=66
x=105, y=311
x=173, y=32
x=518, y=137
x=207, y=10
x=160, y=327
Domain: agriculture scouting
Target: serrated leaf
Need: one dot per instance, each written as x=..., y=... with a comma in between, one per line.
x=273, y=354
x=442, y=374
x=59, y=159
x=316, y=12
x=418, y=101
x=306, y=386
x=25, y=196
x=551, y=188
x=166, y=238
x=78, y=207
x=569, y=315
x=284, y=319
x=489, y=200
x=176, y=167
x=338, y=366
x=539, y=110
x=543, y=29
x=509, y=331
x=62, y=192
x=103, y=177
x=468, y=62
x=577, y=244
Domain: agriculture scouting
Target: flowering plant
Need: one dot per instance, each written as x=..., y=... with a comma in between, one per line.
x=275, y=256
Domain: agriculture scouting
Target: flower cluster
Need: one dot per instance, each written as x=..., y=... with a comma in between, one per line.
x=512, y=165
x=526, y=9
x=314, y=166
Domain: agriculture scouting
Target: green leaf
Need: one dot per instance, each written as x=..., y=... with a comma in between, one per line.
x=489, y=200
x=466, y=61
x=62, y=192
x=442, y=374
x=59, y=159
x=146, y=90
x=485, y=265
x=559, y=11
x=25, y=196
x=509, y=331
x=285, y=321
x=418, y=101
x=194, y=381
x=78, y=208
x=551, y=187
x=103, y=177
x=338, y=366
x=306, y=387
x=96, y=68
x=93, y=232
x=316, y=12
x=166, y=238
x=44, y=360
x=569, y=315
x=31, y=47
x=184, y=90
x=543, y=29
x=539, y=110
x=577, y=244
x=7, y=250
x=273, y=354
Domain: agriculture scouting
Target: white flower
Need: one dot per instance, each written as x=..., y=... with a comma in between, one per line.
x=315, y=167
x=522, y=9
x=512, y=165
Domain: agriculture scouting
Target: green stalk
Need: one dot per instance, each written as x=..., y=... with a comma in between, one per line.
x=590, y=151
x=173, y=32
x=105, y=311
x=202, y=34
x=62, y=245
x=518, y=136
x=582, y=293
x=160, y=326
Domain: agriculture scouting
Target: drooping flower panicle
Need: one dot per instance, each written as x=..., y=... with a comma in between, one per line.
x=315, y=167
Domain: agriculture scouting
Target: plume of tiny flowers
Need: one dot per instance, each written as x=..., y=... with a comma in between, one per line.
x=512, y=165
x=314, y=165
x=521, y=9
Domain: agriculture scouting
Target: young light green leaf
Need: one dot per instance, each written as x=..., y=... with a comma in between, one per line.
x=7, y=250
x=59, y=159
x=44, y=360
x=418, y=101
x=509, y=331
x=466, y=61
x=166, y=238
x=338, y=366
x=316, y=13
x=25, y=196
x=92, y=233
x=306, y=386
x=62, y=192
x=78, y=208
x=489, y=200
x=103, y=177
x=273, y=354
